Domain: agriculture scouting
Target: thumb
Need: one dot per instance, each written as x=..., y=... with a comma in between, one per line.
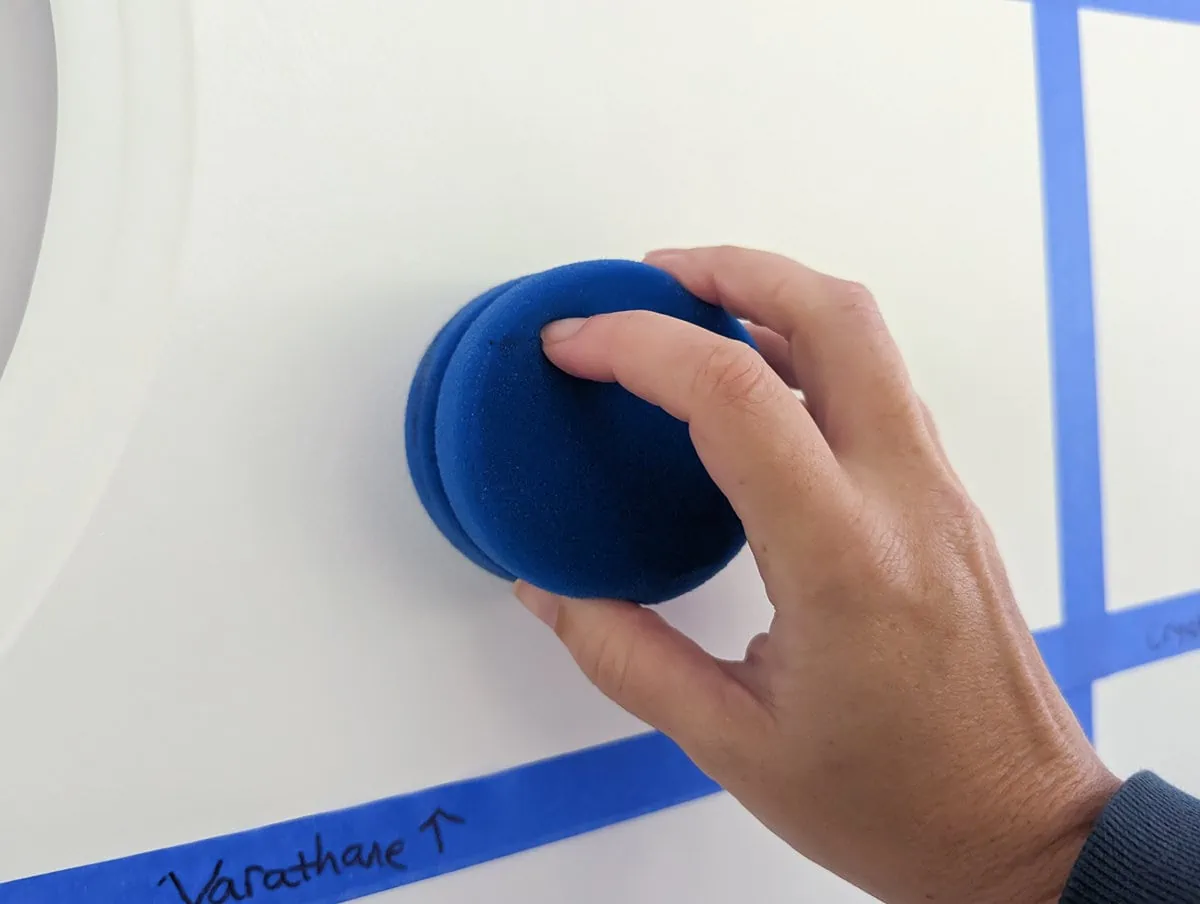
x=643, y=664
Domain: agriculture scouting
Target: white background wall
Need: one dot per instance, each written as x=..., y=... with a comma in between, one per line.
x=218, y=594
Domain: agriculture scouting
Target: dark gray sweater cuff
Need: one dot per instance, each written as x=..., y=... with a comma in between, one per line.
x=1144, y=848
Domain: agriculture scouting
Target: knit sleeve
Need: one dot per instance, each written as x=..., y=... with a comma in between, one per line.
x=1144, y=848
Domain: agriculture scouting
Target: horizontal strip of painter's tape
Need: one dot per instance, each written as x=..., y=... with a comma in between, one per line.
x=1173, y=10
x=1129, y=638
x=1094, y=648
x=348, y=854
x=362, y=850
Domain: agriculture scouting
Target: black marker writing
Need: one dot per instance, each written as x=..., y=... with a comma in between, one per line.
x=183, y=896
x=223, y=886
x=1178, y=633
x=432, y=823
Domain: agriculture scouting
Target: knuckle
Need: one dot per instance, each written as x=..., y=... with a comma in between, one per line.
x=879, y=553
x=953, y=512
x=726, y=254
x=957, y=508
x=855, y=294
x=780, y=289
x=889, y=563
x=606, y=663
x=855, y=300
x=927, y=418
x=734, y=374
x=620, y=321
x=956, y=511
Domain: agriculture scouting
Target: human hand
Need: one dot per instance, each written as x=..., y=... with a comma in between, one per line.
x=896, y=724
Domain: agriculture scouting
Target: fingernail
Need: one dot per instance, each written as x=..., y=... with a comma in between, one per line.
x=559, y=330
x=542, y=604
x=662, y=255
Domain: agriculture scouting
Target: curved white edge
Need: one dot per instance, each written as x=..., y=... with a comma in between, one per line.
x=28, y=110
x=104, y=289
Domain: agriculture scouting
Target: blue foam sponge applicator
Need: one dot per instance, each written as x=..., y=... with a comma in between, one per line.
x=577, y=487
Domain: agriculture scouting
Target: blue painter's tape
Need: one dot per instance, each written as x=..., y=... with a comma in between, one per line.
x=1174, y=10
x=1133, y=637
x=1090, y=649
x=1055, y=645
x=351, y=853
x=1080, y=701
x=1072, y=327
x=1072, y=330
x=1091, y=643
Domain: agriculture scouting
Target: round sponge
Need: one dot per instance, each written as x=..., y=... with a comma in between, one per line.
x=577, y=487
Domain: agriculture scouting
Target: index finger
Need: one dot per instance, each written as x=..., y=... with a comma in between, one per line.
x=754, y=436
x=843, y=356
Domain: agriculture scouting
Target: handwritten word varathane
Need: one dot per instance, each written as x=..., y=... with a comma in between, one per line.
x=225, y=882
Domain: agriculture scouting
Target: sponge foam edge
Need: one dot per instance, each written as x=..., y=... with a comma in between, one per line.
x=419, y=425
x=577, y=487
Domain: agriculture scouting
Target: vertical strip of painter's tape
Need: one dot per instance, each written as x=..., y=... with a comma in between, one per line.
x=1080, y=701
x=1072, y=325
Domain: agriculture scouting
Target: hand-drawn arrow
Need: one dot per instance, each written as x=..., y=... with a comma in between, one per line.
x=432, y=823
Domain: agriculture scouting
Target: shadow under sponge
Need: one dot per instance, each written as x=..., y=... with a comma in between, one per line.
x=577, y=487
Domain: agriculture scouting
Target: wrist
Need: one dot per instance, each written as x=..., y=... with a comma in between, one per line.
x=1046, y=838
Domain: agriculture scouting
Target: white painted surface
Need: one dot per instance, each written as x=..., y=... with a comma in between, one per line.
x=219, y=598
x=1144, y=148
x=104, y=292
x=1143, y=720
x=27, y=83
x=1144, y=145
